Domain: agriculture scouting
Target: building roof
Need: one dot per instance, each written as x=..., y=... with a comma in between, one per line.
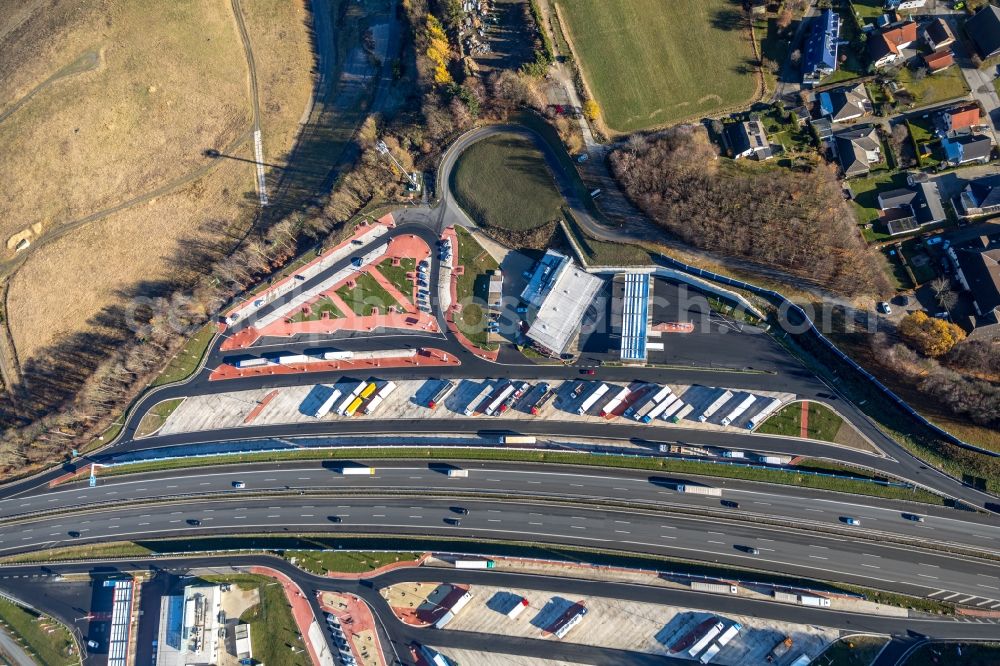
x=967, y=148
x=822, y=126
x=939, y=59
x=984, y=29
x=635, y=316
x=892, y=38
x=561, y=305
x=962, y=116
x=983, y=192
x=906, y=209
x=896, y=198
x=737, y=137
x=939, y=32
x=822, y=43
x=546, y=273
x=844, y=103
x=852, y=147
x=981, y=268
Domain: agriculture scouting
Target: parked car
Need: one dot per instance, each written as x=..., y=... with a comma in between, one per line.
x=884, y=308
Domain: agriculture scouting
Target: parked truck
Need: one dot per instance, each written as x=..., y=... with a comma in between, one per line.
x=676, y=418
x=475, y=564
x=717, y=588
x=702, y=642
x=710, y=653
x=762, y=415
x=543, y=397
x=729, y=634
x=657, y=398
x=615, y=402
x=446, y=389
x=348, y=400
x=698, y=490
x=660, y=408
x=739, y=409
x=498, y=398
x=810, y=600
x=715, y=406
x=474, y=404
x=783, y=647
x=380, y=397
x=593, y=398
x=669, y=412
x=327, y=404
x=519, y=391
x=251, y=362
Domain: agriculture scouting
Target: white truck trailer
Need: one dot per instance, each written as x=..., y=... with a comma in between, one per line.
x=475, y=564
x=615, y=402
x=762, y=415
x=380, y=397
x=349, y=399
x=739, y=409
x=455, y=473
x=498, y=399
x=676, y=418
x=718, y=588
x=641, y=410
x=357, y=471
x=669, y=412
x=592, y=399
x=470, y=409
x=660, y=408
x=327, y=404
x=715, y=406
x=709, y=636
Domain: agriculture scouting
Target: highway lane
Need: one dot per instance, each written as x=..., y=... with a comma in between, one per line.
x=639, y=489
x=712, y=540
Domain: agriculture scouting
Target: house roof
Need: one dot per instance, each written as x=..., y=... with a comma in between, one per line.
x=900, y=33
x=961, y=117
x=984, y=29
x=896, y=198
x=975, y=147
x=981, y=268
x=939, y=59
x=843, y=103
x=821, y=45
x=737, y=137
x=852, y=146
x=939, y=32
x=985, y=191
x=922, y=203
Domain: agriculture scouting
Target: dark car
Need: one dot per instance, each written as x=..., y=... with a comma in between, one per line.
x=588, y=371
x=730, y=504
x=193, y=521
x=334, y=519
x=749, y=550
x=460, y=510
x=914, y=517
x=454, y=522
x=73, y=534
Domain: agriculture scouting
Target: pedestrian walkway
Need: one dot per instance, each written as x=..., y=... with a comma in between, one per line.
x=804, y=421
x=425, y=356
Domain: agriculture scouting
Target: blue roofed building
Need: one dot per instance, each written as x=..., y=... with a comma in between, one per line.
x=631, y=315
x=819, y=57
x=966, y=149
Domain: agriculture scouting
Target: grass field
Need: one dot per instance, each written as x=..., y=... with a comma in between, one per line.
x=366, y=295
x=345, y=561
x=317, y=310
x=503, y=182
x=651, y=63
x=272, y=627
x=169, y=82
x=188, y=358
x=154, y=419
x=853, y=651
x=472, y=286
x=397, y=274
x=938, y=654
x=822, y=424
x=45, y=639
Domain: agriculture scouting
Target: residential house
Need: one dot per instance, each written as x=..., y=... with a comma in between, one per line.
x=979, y=273
x=966, y=149
x=938, y=35
x=843, y=104
x=939, y=60
x=858, y=149
x=822, y=128
x=980, y=197
x=801, y=115
x=886, y=46
x=959, y=119
x=984, y=31
x=909, y=208
x=748, y=139
x=819, y=57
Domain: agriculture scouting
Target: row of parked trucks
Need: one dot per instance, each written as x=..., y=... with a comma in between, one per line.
x=365, y=398
x=706, y=639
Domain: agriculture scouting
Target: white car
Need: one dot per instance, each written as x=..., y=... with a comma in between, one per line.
x=884, y=308
x=852, y=521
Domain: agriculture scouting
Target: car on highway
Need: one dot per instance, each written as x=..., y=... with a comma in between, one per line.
x=194, y=522
x=588, y=371
x=460, y=510
x=914, y=517
x=334, y=519
x=730, y=504
x=850, y=520
x=749, y=550
x=454, y=522
x=73, y=534
x=239, y=484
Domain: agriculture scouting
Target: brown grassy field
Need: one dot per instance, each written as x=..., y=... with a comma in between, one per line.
x=171, y=82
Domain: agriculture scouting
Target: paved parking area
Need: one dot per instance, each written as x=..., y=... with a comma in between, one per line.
x=629, y=625
x=410, y=399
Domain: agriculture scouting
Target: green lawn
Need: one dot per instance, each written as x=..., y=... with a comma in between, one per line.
x=397, y=274
x=187, y=359
x=272, y=627
x=154, y=419
x=933, y=88
x=939, y=654
x=773, y=43
x=472, y=286
x=317, y=309
x=344, y=561
x=503, y=182
x=651, y=62
x=866, y=192
x=823, y=422
x=853, y=651
x=366, y=295
x=45, y=639
x=600, y=253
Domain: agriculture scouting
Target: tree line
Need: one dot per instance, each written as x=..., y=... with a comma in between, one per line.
x=796, y=220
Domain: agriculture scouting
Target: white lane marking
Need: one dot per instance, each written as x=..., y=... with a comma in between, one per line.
x=926, y=576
